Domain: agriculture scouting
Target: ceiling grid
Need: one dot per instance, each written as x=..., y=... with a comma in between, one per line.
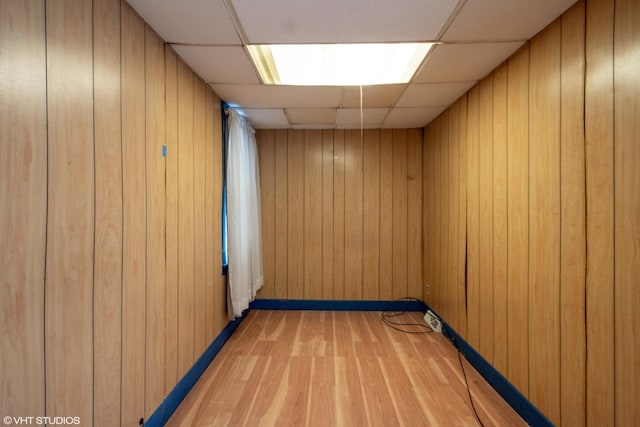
x=473, y=36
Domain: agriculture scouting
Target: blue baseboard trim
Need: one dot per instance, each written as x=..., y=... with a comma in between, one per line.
x=334, y=305
x=509, y=393
x=184, y=386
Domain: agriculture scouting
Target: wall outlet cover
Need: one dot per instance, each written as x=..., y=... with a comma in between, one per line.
x=433, y=321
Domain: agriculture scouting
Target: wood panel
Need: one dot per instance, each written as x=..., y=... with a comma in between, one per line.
x=186, y=238
x=313, y=214
x=295, y=207
x=353, y=193
x=211, y=218
x=71, y=215
x=518, y=218
x=93, y=82
x=92, y=107
x=327, y=214
x=627, y=211
x=349, y=254
x=572, y=220
x=199, y=216
x=156, y=222
x=23, y=186
x=282, y=215
x=431, y=215
x=435, y=215
x=414, y=212
x=544, y=220
x=485, y=248
x=563, y=210
x=386, y=215
x=473, y=218
x=442, y=244
x=220, y=318
x=171, y=235
x=426, y=218
x=462, y=218
x=339, y=214
x=452, y=232
x=266, y=145
x=107, y=287
x=134, y=216
x=399, y=209
x=371, y=221
x=500, y=252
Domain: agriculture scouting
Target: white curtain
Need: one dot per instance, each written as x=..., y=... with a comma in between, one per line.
x=244, y=234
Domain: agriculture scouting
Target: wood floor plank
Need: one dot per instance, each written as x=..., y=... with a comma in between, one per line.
x=308, y=368
x=322, y=399
x=376, y=393
x=294, y=408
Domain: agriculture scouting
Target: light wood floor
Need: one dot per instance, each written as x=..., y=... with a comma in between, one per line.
x=313, y=368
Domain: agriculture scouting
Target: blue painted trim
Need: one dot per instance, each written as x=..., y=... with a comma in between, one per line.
x=184, y=386
x=509, y=393
x=333, y=305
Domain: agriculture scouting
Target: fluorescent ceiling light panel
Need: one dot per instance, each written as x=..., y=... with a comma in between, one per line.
x=338, y=64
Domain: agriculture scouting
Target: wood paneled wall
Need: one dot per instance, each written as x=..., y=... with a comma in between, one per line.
x=111, y=280
x=533, y=176
x=341, y=214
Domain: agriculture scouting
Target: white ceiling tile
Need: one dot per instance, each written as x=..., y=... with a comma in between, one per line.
x=349, y=118
x=191, y=24
x=433, y=94
x=189, y=21
x=266, y=118
x=314, y=126
x=372, y=96
x=219, y=64
x=259, y=96
x=411, y=117
x=496, y=20
x=330, y=21
x=305, y=116
x=464, y=62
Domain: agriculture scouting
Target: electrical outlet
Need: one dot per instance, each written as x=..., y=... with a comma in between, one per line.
x=433, y=321
x=427, y=288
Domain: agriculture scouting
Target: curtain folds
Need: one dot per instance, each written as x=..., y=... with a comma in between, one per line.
x=243, y=215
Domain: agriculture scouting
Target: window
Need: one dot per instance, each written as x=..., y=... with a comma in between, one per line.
x=225, y=137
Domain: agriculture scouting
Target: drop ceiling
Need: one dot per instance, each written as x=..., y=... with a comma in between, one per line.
x=474, y=37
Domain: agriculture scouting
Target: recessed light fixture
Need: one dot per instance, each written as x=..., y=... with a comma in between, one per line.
x=338, y=64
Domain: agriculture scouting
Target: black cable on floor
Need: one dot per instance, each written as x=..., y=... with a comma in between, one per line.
x=388, y=313
x=466, y=382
